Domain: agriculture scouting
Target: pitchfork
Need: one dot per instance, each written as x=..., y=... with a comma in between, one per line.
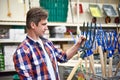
x=99, y=41
x=111, y=46
x=86, y=48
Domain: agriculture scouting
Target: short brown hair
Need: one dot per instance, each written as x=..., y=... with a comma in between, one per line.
x=35, y=15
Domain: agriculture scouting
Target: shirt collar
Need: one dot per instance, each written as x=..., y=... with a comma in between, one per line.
x=33, y=41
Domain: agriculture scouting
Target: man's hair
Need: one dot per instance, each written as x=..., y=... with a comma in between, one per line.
x=35, y=15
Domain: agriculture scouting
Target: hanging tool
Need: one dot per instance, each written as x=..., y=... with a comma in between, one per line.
x=84, y=54
x=90, y=44
x=8, y=5
x=100, y=51
x=80, y=8
x=90, y=36
x=74, y=69
x=24, y=2
x=110, y=57
x=111, y=48
x=110, y=12
x=104, y=46
x=95, y=11
x=86, y=48
x=71, y=11
x=118, y=43
x=29, y=4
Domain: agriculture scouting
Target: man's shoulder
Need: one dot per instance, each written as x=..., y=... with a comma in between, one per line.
x=23, y=48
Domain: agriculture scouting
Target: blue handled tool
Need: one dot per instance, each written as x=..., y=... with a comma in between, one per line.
x=100, y=51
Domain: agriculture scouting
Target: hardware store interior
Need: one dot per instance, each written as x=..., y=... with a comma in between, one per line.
x=97, y=20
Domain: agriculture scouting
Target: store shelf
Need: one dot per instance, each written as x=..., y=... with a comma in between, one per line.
x=63, y=24
x=9, y=41
x=19, y=23
x=22, y=23
x=72, y=63
x=109, y=25
x=8, y=70
x=18, y=41
x=49, y=24
x=61, y=39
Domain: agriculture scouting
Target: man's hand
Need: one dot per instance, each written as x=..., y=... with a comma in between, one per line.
x=81, y=40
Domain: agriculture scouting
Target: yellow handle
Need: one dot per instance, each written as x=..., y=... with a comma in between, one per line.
x=8, y=4
x=74, y=70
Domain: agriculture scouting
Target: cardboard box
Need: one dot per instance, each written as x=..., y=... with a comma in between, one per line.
x=66, y=46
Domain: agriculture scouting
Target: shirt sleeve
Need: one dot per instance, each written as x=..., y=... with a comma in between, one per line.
x=60, y=55
x=23, y=65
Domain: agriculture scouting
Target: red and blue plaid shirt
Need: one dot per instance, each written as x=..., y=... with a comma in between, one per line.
x=29, y=60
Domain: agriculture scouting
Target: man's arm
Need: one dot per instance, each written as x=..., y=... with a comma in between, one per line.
x=23, y=65
x=71, y=51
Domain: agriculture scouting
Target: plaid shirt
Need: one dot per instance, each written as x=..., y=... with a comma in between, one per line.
x=29, y=60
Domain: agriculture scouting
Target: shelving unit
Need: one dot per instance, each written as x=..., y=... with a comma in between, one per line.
x=74, y=26
x=58, y=40
x=22, y=23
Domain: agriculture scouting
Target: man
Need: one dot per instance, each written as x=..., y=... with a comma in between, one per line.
x=36, y=57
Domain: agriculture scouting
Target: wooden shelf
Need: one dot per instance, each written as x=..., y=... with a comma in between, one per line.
x=61, y=39
x=22, y=23
x=18, y=41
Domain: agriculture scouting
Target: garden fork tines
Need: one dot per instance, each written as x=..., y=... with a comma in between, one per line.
x=89, y=33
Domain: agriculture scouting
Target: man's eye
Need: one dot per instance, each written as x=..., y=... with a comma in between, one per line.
x=44, y=24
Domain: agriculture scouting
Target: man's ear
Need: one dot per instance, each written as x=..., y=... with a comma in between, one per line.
x=32, y=25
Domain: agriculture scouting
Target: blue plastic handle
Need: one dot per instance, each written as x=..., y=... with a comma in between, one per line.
x=72, y=37
x=89, y=52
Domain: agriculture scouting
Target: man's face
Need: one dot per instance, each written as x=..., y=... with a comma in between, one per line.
x=41, y=28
